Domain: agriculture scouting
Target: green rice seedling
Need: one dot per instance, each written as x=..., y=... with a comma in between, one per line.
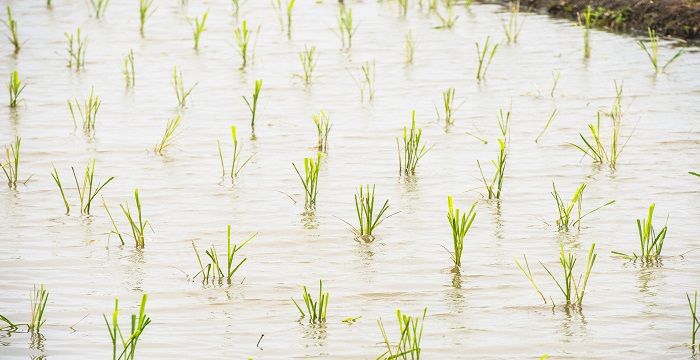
x=323, y=128
x=566, y=219
x=115, y=228
x=77, y=46
x=413, y=150
x=529, y=276
x=504, y=124
x=145, y=12
x=345, y=25
x=514, y=26
x=136, y=222
x=308, y=61
x=290, y=10
x=409, y=344
x=551, y=118
x=253, y=105
x=315, y=310
x=403, y=7
x=446, y=22
x=242, y=36
x=555, y=81
x=587, y=24
x=48, y=4
x=694, y=173
x=652, y=52
x=485, y=56
x=495, y=185
x=10, y=327
x=11, y=25
x=168, y=135
x=57, y=180
x=237, y=4
x=138, y=325
x=179, y=87
x=15, y=86
x=199, y=28
x=410, y=47
x=460, y=224
x=38, y=299
x=213, y=271
x=448, y=97
x=128, y=69
x=651, y=242
x=368, y=70
x=310, y=179
x=87, y=112
x=696, y=321
x=99, y=7
x=237, y=163
x=89, y=190
x=11, y=167
x=367, y=218
x=572, y=289
x=596, y=150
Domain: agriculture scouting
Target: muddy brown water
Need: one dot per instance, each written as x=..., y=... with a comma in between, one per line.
x=488, y=312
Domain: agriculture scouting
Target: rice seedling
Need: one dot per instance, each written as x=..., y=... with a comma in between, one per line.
x=504, y=123
x=15, y=86
x=145, y=12
x=290, y=10
x=484, y=56
x=308, y=60
x=323, y=128
x=89, y=190
x=494, y=186
x=253, y=105
x=138, y=325
x=128, y=69
x=345, y=26
x=555, y=81
x=199, y=28
x=11, y=25
x=11, y=167
x=448, y=97
x=514, y=26
x=448, y=21
x=38, y=299
x=368, y=76
x=242, y=36
x=315, y=310
x=651, y=243
x=696, y=321
x=566, y=219
x=99, y=7
x=587, y=24
x=652, y=51
x=168, y=135
x=572, y=289
x=410, y=47
x=237, y=163
x=136, y=222
x=310, y=179
x=48, y=4
x=460, y=224
x=213, y=271
x=10, y=327
x=87, y=111
x=694, y=173
x=410, y=332
x=551, y=118
x=367, y=218
x=115, y=228
x=179, y=87
x=57, y=180
x=596, y=150
x=529, y=276
x=413, y=150
x=237, y=4
x=403, y=7
x=77, y=46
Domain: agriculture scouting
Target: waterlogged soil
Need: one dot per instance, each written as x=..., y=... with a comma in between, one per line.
x=488, y=310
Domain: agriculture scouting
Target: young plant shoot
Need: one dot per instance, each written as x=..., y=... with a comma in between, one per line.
x=11, y=25
x=485, y=56
x=213, y=272
x=413, y=150
x=652, y=51
x=253, y=105
x=566, y=219
x=89, y=190
x=198, y=27
x=15, y=87
x=315, y=310
x=87, y=112
x=179, y=87
x=136, y=222
x=346, y=27
x=310, y=179
x=494, y=186
x=651, y=243
x=460, y=224
x=367, y=218
x=116, y=334
x=238, y=162
x=410, y=331
x=323, y=128
x=169, y=135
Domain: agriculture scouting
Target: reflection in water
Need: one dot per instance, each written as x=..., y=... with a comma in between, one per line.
x=456, y=301
x=365, y=254
x=134, y=270
x=36, y=341
x=573, y=324
x=314, y=334
x=308, y=218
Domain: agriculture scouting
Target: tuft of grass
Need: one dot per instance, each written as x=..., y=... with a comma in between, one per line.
x=410, y=332
x=566, y=219
x=145, y=12
x=116, y=334
x=179, y=87
x=587, y=24
x=448, y=97
x=168, y=135
x=494, y=186
x=290, y=12
x=410, y=47
x=87, y=112
x=310, y=179
x=345, y=26
x=99, y=7
x=652, y=51
x=573, y=290
x=11, y=167
x=57, y=180
x=551, y=118
x=460, y=223
x=651, y=243
x=253, y=105
x=529, y=276
x=89, y=190
x=695, y=319
x=128, y=69
x=514, y=26
x=213, y=272
x=323, y=128
x=237, y=163
x=38, y=299
x=198, y=28
x=316, y=310
x=242, y=36
x=77, y=46
x=15, y=87
x=413, y=150
x=136, y=222
x=484, y=56
x=367, y=218
x=308, y=60
x=11, y=25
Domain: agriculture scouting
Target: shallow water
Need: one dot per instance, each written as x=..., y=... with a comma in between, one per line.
x=629, y=311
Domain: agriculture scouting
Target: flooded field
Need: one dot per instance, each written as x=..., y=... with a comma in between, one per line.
x=485, y=309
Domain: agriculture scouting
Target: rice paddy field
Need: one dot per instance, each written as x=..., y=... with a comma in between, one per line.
x=127, y=174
